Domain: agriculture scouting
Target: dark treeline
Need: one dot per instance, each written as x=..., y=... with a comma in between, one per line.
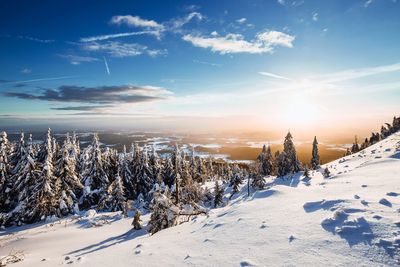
x=386, y=130
x=38, y=180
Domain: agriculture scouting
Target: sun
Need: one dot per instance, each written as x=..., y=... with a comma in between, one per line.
x=299, y=110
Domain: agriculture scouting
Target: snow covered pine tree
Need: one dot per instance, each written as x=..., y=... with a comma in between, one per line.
x=315, y=155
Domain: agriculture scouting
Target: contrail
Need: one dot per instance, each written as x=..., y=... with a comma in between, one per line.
x=105, y=63
x=41, y=79
x=269, y=74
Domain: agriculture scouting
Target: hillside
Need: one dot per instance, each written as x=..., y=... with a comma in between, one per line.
x=351, y=218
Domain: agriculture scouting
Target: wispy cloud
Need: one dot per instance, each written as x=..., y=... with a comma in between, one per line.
x=178, y=23
x=264, y=42
x=82, y=108
x=281, y=2
x=26, y=71
x=272, y=75
x=34, y=39
x=76, y=60
x=151, y=27
x=96, y=95
x=351, y=74
x=368, y=2
x=119, y=49
x=136, y=21
x=191, y=8
x=207, y=63
x=39, y=80
x=315, y=16
x=106, y=65
x=117, y=35
x=241, y=21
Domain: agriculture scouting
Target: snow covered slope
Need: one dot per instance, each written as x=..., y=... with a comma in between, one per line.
x=350, y=219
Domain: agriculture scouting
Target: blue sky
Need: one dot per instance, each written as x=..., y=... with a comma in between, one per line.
x=290, y=64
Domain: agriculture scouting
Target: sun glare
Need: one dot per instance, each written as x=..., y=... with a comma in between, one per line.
x=300, y=110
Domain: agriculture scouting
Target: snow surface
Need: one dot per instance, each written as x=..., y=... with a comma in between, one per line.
x=349, y=219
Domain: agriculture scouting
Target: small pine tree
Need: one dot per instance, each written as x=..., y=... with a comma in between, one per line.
x=218, y=195
x=168, y=173
x=265, y=161
x=355, y=148
x=327, y=173
x=257, y=181
x=136, y=220
x=315, y=155
x=236, y=180
x=291, y=161
x=306, y=172
x=280, y=164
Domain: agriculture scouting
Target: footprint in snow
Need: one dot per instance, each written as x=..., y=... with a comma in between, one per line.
x=385, y=202
x=377, y=217
x=291, y=238
x=246, y=263
x=218, y=225
x=356, y=197
x=364, y=185
x=392, y=194
x=263, y=226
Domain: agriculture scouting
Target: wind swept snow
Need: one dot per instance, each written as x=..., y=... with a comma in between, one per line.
x=351, y=218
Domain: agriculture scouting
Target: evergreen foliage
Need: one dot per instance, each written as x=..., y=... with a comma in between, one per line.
x=315, y=155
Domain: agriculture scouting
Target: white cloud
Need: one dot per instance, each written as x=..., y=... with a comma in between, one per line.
x=281, y=2
x=76, y=60
x=136, y=21
x=26, y=71
x=315, y=16
x=276, y=38
x=235, y=43
x=241, y=21
x=272, y=75
x=180, y=22
x=368, y=2
x=118, y=49
x=207, y=63
x=118, y=35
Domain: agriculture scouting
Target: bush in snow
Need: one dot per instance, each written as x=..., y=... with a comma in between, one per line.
x=164, y=213
x=136, y=220
x=327, y=173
